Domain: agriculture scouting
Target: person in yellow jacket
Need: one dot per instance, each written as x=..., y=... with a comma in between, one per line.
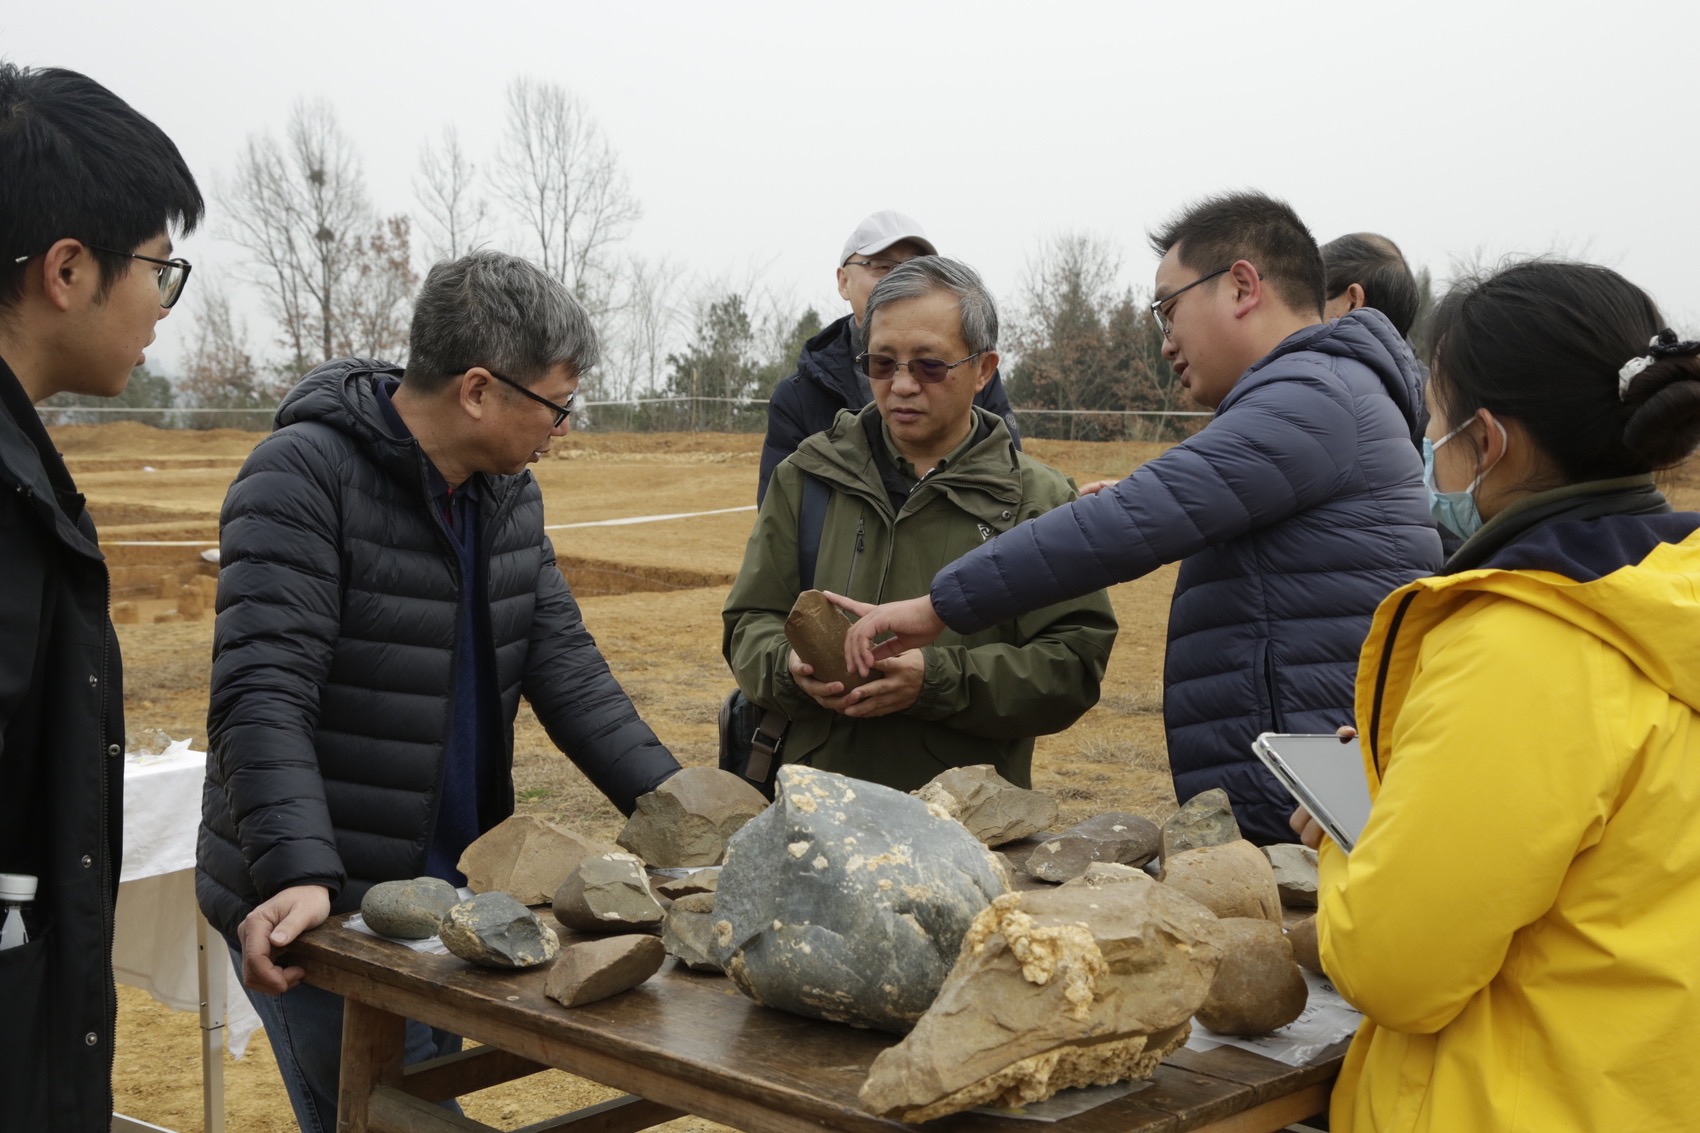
x=1520, y=919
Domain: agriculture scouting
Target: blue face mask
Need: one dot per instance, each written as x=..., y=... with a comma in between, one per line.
x=1454, y=511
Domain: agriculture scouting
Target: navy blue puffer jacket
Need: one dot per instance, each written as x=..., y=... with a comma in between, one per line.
x=333, y=657
x=1293, y=513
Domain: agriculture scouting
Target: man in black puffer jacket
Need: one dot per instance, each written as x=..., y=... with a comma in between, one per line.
x=386, y=595
x=827, y=379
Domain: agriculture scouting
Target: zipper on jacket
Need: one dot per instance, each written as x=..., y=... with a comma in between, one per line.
x=855, y=555
x=1381, y=680
x=1269, y=688
x=108, y=904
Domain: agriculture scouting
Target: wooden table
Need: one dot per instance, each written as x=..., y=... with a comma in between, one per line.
x=688, y=1042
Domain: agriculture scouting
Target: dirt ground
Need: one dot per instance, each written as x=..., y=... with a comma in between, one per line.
x=651, y=594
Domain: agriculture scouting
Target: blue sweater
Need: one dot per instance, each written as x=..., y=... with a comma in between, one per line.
x=1293, y=513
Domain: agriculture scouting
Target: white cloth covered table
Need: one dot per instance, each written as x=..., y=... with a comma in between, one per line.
x=157, y=937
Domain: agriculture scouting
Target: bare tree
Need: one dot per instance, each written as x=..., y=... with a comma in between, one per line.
x=378, y=303
x=645, y=330
x=300, y=209
x=457, y=218
x=219, y=371
x=563, y=180
x=1072, y=271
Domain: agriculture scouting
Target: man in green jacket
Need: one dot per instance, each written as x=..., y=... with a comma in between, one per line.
x=916, y=479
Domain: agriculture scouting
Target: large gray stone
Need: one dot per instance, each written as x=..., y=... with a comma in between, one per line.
x=847, y=900
x=687, y=820
x=1206, y=819
x=526, y=858
x=496, y=931
x=408, y=910
x=1295, y=873
x=1053, y=988
x=1118, y=838
x=688, y=932
x=596, y=969
x=607, y=893
x=995, y=810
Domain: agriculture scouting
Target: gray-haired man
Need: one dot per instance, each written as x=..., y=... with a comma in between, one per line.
x=914, y=481
x=826, y=379
x=386, y=596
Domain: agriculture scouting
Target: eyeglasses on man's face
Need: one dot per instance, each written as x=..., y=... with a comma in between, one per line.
x=172, y=274
x=1165, y=320
x=880, y=267
x=883, y=367
x=562, y=412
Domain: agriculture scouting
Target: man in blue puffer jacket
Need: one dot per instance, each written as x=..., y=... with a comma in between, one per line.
x=1293, y=513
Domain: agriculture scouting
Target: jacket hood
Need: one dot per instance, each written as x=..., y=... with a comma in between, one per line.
x=341, y=393
x=827, y=357
x=1627, y=580
x=1366, y=337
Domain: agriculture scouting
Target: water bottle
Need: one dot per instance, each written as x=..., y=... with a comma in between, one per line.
x=17, y=890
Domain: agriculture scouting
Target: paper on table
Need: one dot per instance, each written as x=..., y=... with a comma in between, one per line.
x=431, y=944
x=1326, y=1019
x=1066, y=1103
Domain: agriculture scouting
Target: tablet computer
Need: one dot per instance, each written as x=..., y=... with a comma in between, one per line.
x=1326, y=775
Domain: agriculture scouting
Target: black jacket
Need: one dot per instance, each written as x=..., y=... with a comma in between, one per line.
x=333, y=654
x=825, y=382
x=61, y=785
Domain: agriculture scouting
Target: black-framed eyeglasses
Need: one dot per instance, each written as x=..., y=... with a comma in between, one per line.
x=1157, y=305
x=883, y=367
x=173, y=274
x=562, y=412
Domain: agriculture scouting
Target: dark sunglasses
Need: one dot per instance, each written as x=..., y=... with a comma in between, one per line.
x=883, y=367
x=562, y=412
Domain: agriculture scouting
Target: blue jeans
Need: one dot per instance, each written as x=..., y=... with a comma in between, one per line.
x=304, y=1025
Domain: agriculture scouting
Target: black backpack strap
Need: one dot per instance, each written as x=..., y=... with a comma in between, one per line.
x=811, y=521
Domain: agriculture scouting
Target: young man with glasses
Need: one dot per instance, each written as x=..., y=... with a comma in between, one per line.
x=913, y=481
x=826, y=379
x=386, y=596
x=89, y=195
x=1292, y=514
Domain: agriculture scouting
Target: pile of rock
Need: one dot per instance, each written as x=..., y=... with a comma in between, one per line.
x=1098, y=980
x=592, y=887
x=851, y=902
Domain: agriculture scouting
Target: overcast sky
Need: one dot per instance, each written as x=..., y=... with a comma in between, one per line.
x=755, y=135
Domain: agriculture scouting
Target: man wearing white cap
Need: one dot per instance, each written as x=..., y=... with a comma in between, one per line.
x=826, y=379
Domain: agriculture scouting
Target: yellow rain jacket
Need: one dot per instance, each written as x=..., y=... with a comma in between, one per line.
x=1520, y=921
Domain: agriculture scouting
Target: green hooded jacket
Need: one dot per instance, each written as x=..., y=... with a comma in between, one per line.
x=984, y=696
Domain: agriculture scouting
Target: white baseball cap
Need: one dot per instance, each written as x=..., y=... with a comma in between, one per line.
x=880, y=231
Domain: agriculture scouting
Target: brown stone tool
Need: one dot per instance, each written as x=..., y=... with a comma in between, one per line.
x=815, y=628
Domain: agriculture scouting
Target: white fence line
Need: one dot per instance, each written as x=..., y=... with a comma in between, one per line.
x=1032, y=411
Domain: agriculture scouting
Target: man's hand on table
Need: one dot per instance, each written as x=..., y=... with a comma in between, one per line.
x=272, y=927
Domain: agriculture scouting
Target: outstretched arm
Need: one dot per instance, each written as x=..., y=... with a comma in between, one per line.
x=911, y=624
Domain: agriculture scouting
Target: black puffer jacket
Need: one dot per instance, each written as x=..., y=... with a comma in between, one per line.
x=333, y=656
x=808, y=401
x=61, y=785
